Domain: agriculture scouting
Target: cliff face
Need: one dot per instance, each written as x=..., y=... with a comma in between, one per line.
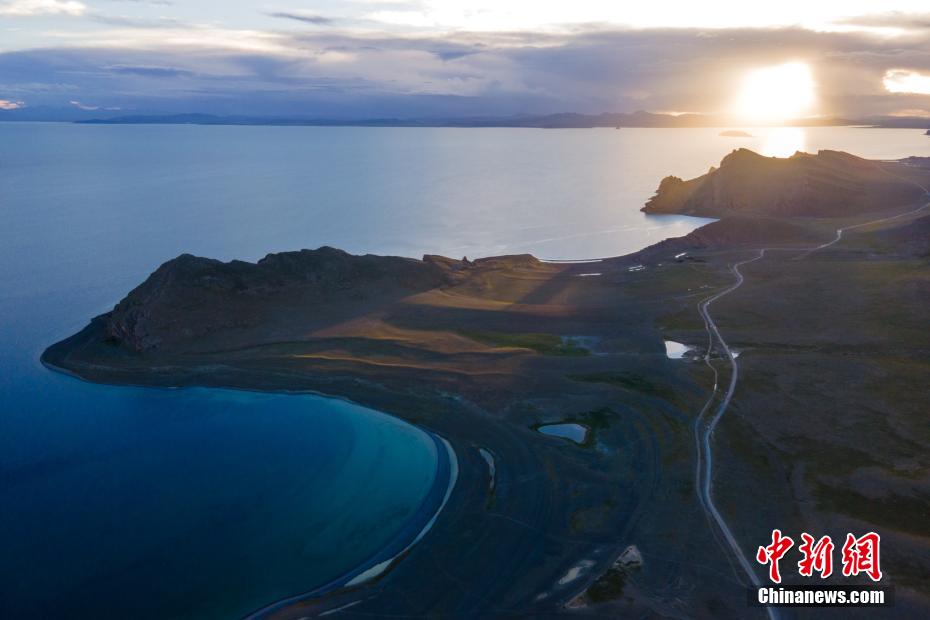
x=828, y=184
x=189, y=297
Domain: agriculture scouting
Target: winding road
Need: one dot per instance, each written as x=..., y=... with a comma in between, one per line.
x=704, y=428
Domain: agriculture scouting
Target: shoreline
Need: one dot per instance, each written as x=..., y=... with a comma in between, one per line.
x=383, y=560
x=378, y=565
x=521, y=497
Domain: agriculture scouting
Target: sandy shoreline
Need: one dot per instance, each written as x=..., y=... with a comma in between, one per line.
x=383, y=560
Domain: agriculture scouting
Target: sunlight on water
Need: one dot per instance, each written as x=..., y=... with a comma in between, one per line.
x=782, y=141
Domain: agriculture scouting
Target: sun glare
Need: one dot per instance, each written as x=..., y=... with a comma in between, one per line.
x=779, y=93
x=782, y=141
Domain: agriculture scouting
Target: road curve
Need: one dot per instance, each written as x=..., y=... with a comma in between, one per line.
x=704, y=429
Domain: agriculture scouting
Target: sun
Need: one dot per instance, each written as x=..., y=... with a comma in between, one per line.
x=777, y=93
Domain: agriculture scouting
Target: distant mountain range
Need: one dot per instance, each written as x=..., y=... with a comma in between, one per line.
x=564, y=120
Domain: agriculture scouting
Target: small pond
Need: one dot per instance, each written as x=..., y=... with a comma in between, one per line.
x=572, y=432
x=675, y=350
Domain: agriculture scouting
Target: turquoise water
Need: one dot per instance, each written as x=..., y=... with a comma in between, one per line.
x=125, y=502
x=141, y=503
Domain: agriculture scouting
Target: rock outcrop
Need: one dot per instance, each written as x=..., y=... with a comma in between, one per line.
x=192, y=303
x=187, y=297
x=828, y=184
x=730, y=232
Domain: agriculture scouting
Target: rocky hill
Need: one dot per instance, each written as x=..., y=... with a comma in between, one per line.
x=188, y=297
x=828, y=184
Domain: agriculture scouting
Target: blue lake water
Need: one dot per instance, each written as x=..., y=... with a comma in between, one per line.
x=128, y=502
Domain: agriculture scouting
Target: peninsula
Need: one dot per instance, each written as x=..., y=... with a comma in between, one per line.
x=815, y=275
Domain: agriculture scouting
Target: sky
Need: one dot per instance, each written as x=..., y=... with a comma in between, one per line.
x=452, y=58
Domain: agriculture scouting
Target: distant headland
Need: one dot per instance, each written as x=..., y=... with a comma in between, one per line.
x=565, y=120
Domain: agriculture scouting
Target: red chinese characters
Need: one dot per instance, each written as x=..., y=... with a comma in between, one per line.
x=773, y=553
x=860, y=555
x=817, y=556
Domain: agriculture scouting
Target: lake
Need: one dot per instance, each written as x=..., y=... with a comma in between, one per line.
x=128, y=502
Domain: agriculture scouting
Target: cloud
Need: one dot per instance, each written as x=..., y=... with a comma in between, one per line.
x=152, y=2
x=911, y=112
x=905, y=81
x=331, y=73
x=7, y=104
x=897, y=20
x=150, y=71
x=92, y=108
x=136, y=22
x=82, y=106
x=37, y=88
x=27, y=8
x=524, y=16
x=316, y=20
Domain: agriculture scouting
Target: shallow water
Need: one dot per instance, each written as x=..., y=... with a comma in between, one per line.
x=126, y=502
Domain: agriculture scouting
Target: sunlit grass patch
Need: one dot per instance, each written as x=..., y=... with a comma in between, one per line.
x=544, y=344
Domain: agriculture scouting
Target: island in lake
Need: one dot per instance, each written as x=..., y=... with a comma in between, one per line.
x=735, y=133
x=597, y=473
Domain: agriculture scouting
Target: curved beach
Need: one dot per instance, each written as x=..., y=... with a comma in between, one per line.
x=408, y=536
